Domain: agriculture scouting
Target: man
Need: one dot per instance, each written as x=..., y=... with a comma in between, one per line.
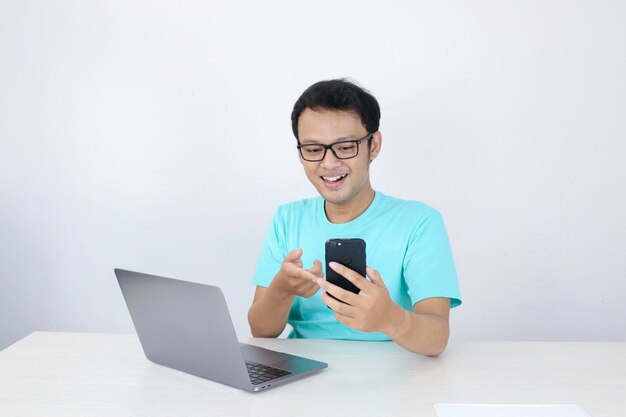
x=412, y=279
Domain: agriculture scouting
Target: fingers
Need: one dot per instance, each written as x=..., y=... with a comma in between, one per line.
x=340, y=309
x=312, y=273
x=294, y=258
x=292, y=268
x=347, y=297
x=351, y=322
x=375, y=277
x=304, y=287
x=303, y=274
x=352, y=276
x=310, y=291
x=294, y=255
x=317, y=268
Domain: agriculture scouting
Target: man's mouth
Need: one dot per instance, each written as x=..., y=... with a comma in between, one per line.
x=334, y=181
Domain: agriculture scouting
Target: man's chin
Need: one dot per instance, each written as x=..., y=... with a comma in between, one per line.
x=333, y=197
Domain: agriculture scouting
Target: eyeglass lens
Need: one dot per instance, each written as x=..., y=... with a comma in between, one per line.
x=342, y=150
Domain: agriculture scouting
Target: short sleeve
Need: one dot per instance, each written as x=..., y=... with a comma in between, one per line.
x=428, y=265
x=272, y=254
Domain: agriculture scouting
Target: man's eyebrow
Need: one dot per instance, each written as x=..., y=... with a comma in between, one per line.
x=339, y=139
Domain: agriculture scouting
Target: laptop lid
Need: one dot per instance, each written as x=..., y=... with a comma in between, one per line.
x=185, y=326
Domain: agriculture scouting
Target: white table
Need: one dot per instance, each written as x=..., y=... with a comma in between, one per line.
x=77, y=374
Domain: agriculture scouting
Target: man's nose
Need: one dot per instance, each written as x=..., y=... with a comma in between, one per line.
x=330, y=160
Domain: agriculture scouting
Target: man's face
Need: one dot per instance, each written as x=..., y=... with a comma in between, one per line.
x=337, y=180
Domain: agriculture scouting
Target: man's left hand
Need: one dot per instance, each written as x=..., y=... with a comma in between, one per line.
x=371, y=310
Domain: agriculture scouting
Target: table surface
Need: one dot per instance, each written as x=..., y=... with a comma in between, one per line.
x=83, y=374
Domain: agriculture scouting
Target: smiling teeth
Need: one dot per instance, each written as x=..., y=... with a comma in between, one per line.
x=333, y=179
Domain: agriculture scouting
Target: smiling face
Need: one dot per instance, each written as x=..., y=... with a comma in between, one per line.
x=341, y=182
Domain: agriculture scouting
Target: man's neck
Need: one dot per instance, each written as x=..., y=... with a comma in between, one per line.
x=350, y=210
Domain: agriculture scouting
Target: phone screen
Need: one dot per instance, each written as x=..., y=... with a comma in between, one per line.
x=347, y=252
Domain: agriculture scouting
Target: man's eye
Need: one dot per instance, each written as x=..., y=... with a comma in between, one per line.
x=312, y=150
x=346, y=147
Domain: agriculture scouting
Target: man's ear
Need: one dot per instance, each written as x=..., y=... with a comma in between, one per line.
x=375, y=144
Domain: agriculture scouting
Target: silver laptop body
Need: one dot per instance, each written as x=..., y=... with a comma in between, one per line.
x=186, y=326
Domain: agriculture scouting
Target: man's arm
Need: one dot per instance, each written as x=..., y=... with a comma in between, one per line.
x=269, y=311
x=270, y=308
x=424, y=331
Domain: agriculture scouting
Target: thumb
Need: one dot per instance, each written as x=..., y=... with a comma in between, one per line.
x=375, y=277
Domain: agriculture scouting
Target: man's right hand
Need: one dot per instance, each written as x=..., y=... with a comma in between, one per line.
x=270, y=309
x=293, y=279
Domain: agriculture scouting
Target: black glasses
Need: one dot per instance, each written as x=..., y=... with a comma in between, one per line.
x=345, y=149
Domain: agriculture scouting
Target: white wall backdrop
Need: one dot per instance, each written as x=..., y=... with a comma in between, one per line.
x=155, y=136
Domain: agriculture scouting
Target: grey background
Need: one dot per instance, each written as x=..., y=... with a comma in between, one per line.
x=155, y=136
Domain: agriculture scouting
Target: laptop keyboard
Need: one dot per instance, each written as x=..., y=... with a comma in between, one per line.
x=263, y=373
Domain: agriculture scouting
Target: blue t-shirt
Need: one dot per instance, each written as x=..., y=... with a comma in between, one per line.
x=406, y=242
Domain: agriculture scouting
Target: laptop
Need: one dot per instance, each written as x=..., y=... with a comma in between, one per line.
x=186, y=326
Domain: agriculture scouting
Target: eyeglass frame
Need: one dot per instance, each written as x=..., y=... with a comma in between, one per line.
x=367, y=137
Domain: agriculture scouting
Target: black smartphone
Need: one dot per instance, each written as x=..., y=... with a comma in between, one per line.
x=347, y=252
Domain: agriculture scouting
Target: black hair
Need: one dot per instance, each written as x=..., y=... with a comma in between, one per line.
x=338, y=94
